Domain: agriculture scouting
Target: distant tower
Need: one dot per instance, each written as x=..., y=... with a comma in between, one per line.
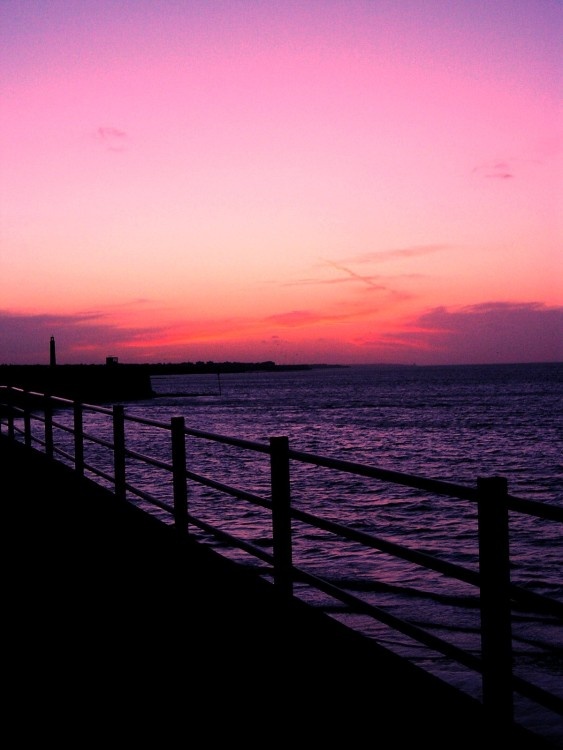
x=53, y=355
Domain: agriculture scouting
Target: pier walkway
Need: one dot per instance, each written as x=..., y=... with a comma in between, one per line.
x=116, y=630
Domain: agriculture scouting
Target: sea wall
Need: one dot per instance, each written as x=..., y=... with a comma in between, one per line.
x=87, y=383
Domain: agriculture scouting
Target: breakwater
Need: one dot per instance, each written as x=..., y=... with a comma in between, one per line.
x=120, y=382
x=93, y=383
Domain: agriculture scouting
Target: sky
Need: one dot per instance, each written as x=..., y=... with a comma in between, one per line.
x=320, y=181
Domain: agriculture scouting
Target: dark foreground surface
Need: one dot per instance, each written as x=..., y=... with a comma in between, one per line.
x=115, y=631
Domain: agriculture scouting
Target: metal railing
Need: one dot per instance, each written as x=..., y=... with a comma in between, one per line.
x=29, y=417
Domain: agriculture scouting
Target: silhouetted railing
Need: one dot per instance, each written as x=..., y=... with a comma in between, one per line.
x=30, y=417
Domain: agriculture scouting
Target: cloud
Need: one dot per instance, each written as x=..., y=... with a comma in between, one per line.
x=24, y=339
x=112, y=138
x=496, y=170
x=378, y=256
x=413, y=251
x=377, y=282
x=492, y=332
x=294, y=318
x=500, y=332
x=316, y=318
x=354, y=276
x=351, y=277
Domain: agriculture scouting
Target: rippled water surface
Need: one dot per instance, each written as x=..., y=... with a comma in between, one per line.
x=449, y=422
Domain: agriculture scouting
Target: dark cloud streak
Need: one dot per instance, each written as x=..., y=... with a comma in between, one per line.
x=493, y=332
x=496, y=170
x=354, y=276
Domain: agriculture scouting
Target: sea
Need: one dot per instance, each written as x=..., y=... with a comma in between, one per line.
x=452, y=423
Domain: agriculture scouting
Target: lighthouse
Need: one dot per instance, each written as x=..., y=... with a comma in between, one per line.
x=53, y=359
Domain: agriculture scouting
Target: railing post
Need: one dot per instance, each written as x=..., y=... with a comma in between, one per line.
x=10, y=399
x=179, y=473
x=48, y=426
x=4, y=405
x=27, y=419
x=119, y=450
x=494, y=569
x=281, y=516
x=78, y=438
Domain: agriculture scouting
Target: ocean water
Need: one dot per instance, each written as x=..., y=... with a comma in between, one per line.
x=452, y=423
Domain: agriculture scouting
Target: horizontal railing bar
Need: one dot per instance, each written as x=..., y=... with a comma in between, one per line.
x=224, y=536
x=419, y=558
x=148, y=460
x=534, y=508
x=538, y=694
x=430, y=485
x=233, y=491
x=146, y=421
x=150, y=498
x=98, y=440
x=99, y=472
x=236, y=442
x=407, y=628
x=61, y=400
x=97, y=409
x=216, y=438
x=16, y=389
x=63, y=427
x=545, y=603
x=29, y=393
x=62, y=452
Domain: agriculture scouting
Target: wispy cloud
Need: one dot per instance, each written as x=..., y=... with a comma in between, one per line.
x=376, y=282
x=317, y=318
x=496, y=170
x=294, y=318
x=112, y=138
x=368, y=280
x=412, y=251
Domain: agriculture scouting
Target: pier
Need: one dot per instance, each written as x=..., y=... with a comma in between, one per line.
x=92, y=383
x=117, y=622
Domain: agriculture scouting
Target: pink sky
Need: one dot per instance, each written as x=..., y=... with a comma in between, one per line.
x=322, y=181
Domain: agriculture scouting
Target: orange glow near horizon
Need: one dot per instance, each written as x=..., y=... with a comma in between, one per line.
x=301, y=182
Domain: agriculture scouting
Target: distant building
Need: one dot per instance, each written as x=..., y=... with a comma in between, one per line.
x=53, y=356
x=110, y=361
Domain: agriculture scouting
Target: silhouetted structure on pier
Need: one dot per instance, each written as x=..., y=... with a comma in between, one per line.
x=53, y=355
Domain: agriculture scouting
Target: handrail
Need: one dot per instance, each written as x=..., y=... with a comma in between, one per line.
x=496, y=593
